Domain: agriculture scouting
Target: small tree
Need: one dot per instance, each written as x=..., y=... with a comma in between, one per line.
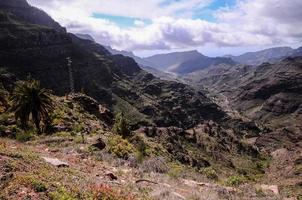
x=3, y=97
x=121, y=126
x=30, y=100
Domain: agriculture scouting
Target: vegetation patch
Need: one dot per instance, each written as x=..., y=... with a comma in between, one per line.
x=210, y=173
x=235, y=180
x=105, y=192
x=61, y=194
x=175, y=171
x=24, y=136
x=120, y=147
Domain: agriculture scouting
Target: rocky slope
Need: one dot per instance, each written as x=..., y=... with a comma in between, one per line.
x=270, y=93
x=83, y=158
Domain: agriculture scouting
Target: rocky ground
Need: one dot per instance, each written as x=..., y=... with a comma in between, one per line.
x=91, y=173
x=83, y=159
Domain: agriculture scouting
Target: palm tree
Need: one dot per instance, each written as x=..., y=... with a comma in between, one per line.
x=30, y=100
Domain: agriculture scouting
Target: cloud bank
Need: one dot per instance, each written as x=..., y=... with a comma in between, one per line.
x=247, y=23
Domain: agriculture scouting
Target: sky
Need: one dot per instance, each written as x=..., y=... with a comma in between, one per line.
x=213, y=27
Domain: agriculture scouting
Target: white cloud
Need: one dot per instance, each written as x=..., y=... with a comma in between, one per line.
x=139, y=23
x=248, y=23
x=144, y=9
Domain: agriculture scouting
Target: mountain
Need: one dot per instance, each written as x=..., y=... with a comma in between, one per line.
x=267, y=55
x=297, y=52
x=85, y=37
x=118, y=83
x=138, y=60
x=34, y=44
x=185, y=62
x=165, y=62
x=269, y=93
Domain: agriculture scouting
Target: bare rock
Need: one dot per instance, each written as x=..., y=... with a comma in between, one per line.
x=55, y=162
x=111, y=176
x=100, y=144
x=270, y=189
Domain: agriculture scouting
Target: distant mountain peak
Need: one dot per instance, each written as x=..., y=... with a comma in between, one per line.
x=185, y=62
x=85, y=36
x=267, y=55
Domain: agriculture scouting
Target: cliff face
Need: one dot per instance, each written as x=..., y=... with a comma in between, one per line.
x=33, y=43
x=24, y=12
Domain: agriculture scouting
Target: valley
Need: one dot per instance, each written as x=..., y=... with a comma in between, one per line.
x=79, y=120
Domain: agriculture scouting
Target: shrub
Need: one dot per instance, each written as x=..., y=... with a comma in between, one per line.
x=120, y=147
x=235, y=180
x=61, y=194
x=24, y=136
x=105, y=192
x=157, y=165
x=210, y=173
x=38, y=186
x=63, y=134
x=141, y=148
x=121, y=125
x=175, y=171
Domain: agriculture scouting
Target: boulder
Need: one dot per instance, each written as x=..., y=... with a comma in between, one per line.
x=55, y=162
x=93, y=107
x=100, y=144
x=111, y=176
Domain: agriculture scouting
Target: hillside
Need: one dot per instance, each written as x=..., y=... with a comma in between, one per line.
x=152, y=163
x=266, y=93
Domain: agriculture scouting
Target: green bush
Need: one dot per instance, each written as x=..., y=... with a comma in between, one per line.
x=175, y=171
x=141, y=147
x=120, y=147
x=63, y=134
x=38, y=186
x=78, y=128
x=141, y=151
x=24, y=136
x=210, y=173
x=61, y=194
x=236, y=180
x=121, y=125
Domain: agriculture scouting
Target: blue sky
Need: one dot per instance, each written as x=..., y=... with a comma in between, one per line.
x=214, y=27
x=205, y=13
x=121, y=21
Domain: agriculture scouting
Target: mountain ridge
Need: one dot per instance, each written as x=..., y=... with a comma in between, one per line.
x=267, y=55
